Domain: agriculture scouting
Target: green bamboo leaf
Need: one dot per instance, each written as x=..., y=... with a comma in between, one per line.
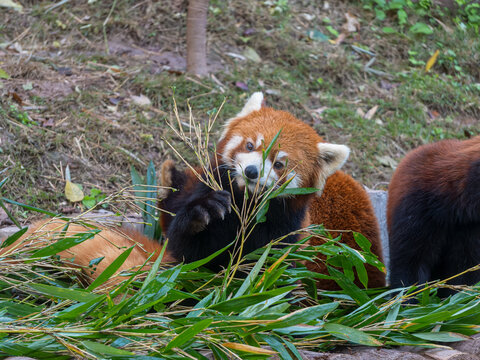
x=302, y=316
x=240, y=303
x=348, y=286
x=65, y=243
x=3, y=182
x=362, y=241
x=111, y=269
x=299, y=191
x=9, y=214
x=33, y=208
x=277, y=346
x=467, y=310
x=64, y=293
x=250, y=279
x=14, y=237
x=11, y=348
x=430, y=317
x=441, y=336
x=270, y=146
x=394, y=310
x=351, y=334
x=188, y=334
x=75, y=310
x=19, y=309
x=102, y=349
x=292, y=349
x=200, y=305
x=261, y=216
x=154, y=269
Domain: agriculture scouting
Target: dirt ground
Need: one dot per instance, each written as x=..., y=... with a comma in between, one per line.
x=91, y=86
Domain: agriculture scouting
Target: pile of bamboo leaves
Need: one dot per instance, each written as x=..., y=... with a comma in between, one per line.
x=267, y=304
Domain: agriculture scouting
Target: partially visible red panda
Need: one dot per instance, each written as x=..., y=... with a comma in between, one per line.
x=433, y=214
x=109, y=243
x=204, y=221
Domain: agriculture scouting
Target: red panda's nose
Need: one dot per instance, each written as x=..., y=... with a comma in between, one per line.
x=251, y=172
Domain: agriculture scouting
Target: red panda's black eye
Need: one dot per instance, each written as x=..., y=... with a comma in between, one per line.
x=250, y=146
x=278, y=165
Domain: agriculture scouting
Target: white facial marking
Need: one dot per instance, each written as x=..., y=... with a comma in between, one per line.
x=295, y=183
x=232, y=144
x=281, y=155
x=242, y=160
x=259, y=141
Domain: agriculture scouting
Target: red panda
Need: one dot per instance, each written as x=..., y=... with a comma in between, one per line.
x=109, y=243
x=433, y=214
x=204, y=221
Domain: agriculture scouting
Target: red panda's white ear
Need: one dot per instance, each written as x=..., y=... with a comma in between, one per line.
x=254, y=103
x=332, y=157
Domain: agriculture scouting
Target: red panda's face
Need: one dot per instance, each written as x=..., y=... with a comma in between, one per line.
x=252, y=163
x=298, y=154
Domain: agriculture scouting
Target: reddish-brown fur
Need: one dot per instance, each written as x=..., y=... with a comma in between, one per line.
x=345, y=205
x=110, y=243
x=433, y=214
x=439, y=166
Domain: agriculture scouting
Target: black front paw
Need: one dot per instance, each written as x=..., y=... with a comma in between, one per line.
x=213, y=206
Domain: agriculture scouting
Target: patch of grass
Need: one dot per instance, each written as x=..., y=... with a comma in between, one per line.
x=300, y=71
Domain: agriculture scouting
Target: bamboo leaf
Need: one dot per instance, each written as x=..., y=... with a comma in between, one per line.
x=351, y=334
x=64, y=293
x=12, y=238
x=188, y=334
x=111, y=269
x=348, y=286
x=151, y=194
x=242, y=302
x=103, y=349
x=303, y=316
x=138, y=182
x=253, y=273
x=441, y=336
x=248, y=348
x=362, y=241
x=277, y=346
x=33, y=208
x=65, y=243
